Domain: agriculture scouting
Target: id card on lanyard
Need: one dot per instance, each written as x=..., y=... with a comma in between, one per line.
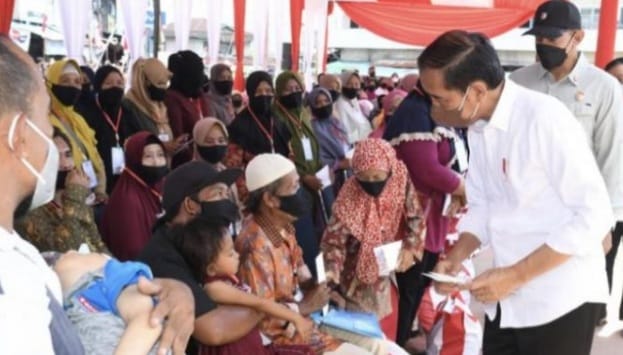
x=118, y=160
x=307, y=148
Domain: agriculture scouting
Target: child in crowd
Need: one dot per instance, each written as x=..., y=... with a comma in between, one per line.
x=101, y=298
x=209, y=250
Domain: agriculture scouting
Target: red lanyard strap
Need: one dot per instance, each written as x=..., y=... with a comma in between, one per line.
x=296, y=122
x=142, y=183
x=268, y=135
x=115, y=125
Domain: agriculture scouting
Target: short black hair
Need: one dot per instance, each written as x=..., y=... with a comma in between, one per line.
x=254, y=199
x=199, y=242
x=613, y=63
x=18, y=77
x=463, y=57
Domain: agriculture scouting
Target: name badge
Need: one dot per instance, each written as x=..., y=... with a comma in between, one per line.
x=461, y=154
x=87, y=167
x=118, y=160
x=307, y=149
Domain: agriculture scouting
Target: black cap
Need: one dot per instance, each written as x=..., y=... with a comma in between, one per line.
x=552, y=18
x=189, y=178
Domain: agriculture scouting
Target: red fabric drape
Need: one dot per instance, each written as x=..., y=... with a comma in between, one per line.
x=296, y=17
x=6, y=15
x=417, y=22
x=239, y=10
x=607, y=32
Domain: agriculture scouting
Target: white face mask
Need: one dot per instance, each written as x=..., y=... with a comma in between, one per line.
x=46, y=178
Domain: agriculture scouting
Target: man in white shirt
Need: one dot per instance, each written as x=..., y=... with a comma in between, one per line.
x=32, y=320
x=535, y=196
x=593, y=96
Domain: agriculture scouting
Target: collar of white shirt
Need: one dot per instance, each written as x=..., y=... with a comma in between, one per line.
x=500, y=119
x=573, y=75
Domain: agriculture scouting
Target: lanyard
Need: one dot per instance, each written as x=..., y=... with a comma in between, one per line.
x=114, y=126
x=297, y=123
x=142, y=183
x=268, y=135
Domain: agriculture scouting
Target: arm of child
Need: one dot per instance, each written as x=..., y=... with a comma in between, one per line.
x=139, y=336
x=223, y=293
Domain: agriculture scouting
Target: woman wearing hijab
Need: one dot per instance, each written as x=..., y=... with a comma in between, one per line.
x=136, y=200
x=331, y=136
x=349, y=111
x=408, y=82
x=185, y=101
x=112, y=124
x=391, y=102
x=66, y=222
x=332, y=84
x=145, y=100
x=430, y=153
x=376, y=206
x=64, y=84
x=255, y=130
x=210, y=139
x=288, y=107
x=87, y=75
x=220, y=93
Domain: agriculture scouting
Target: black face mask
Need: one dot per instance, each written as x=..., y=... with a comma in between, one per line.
x=61, y=176
x=67, y=95
x=293, y=205
x=156, y=93
x=373, y=188
x=213, y=154
x=322, y=112
x=153, y=174
x=350, y=93
x=292, y=101
x=110, y=98
x=550, y=57
x=237, y=103
x=334, y=95
x=220, y=213
x=223, y=87
x=261, y=105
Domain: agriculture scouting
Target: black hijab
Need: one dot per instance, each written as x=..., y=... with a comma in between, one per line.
x=188, y=73
x=245, y=132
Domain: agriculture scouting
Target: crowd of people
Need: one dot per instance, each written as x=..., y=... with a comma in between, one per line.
x=171, y=214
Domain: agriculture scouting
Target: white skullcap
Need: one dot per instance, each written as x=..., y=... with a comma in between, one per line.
x=265, y=169
x=69, y=68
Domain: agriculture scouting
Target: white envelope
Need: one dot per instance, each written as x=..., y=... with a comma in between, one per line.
x=387, y=257
x=324, y=176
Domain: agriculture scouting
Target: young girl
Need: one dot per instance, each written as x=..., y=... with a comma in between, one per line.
x=209, y=250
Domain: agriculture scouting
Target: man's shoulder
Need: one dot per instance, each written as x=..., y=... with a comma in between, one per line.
x=593, y=74
x=527, y=74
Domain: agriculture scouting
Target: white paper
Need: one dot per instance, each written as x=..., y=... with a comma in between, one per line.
x=118, y=160
x=445, y=278
x=324, y=175
x=307, y=148
x=164, y=137
x=447, y=201
x=321, y=276
x=461, y=154
x=387, y=257
x=350, y=153
x=87, y=167
x=84, y=249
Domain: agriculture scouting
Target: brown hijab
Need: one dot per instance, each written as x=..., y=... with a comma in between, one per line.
x=145, y=72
